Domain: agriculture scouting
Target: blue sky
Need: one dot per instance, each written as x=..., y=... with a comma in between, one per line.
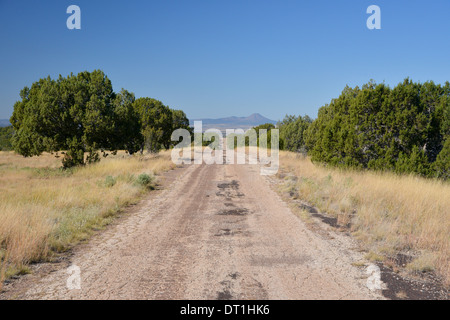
x=220, y=58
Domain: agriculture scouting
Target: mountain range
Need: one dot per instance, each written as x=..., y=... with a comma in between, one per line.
x=244, y=123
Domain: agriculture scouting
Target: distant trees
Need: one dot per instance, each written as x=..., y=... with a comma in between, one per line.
x=6, y=134
x=81, y=113
x=180, y=120
x=404, y=129
x=127, y=129
x=268, y=127
x=292, y=132
x=156, y=123
x=249, y=139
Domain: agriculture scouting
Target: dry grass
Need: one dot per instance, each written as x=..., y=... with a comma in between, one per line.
x=44, y=209
x=388, y=213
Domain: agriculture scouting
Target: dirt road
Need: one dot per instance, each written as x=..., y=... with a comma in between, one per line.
x=216, y=232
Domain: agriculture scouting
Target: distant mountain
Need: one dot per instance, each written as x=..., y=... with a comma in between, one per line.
x=4, y=123
x=234, y=122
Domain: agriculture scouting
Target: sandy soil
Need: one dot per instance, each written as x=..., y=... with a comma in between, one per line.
x=215, y=232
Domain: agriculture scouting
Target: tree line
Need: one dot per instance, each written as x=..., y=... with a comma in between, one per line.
x=405, y=129
x=82, y=114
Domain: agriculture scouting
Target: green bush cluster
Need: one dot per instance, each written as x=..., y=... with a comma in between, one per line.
x=145, y=180
x=6, y=134
x=81, y=113
x=110, y=181
x=232, y=139
x=292, y=132
x=405, y=129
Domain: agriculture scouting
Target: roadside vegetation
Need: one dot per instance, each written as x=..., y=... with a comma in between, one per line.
x=6, y=134
x=390, y=214
x=405, y=130
x=81, y=113
x=378, y=160
x=45, y=210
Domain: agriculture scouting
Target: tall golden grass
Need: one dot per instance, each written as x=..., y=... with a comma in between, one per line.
x=44, y=209
x=389, y=213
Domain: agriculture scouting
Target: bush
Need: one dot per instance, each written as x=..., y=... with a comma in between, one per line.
x=402, y=129
x=145, y=180
x=416, y=162
x=442, y=164
x=6, y=134
x=110, y=181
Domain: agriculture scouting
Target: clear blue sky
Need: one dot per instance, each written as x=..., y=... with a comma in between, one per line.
x=215, y=58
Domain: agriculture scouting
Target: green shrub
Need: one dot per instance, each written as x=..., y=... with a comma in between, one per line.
x=110, y=181
x=442, y=164
x=401, y=129
x=145, y=180
x=6, y=135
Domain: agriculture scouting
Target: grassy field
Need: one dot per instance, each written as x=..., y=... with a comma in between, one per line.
x=44, y=209
x=390, y=214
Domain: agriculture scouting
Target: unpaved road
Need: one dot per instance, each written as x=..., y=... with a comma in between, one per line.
x=216, y=232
